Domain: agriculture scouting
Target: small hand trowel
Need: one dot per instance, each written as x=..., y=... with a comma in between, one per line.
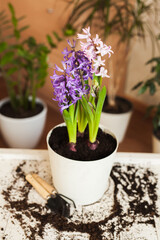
x=55, y=201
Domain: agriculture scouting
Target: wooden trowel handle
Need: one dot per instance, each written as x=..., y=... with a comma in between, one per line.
x=38, y=187
x=46, y=185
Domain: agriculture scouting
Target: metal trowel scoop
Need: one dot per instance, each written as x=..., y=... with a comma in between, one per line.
x=55, y=201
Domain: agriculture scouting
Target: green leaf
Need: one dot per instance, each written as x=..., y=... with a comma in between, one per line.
x=11, y=71
x=50, y=41
x=154, y=59
x=71, y=125
x=7, y=58
x=57, y=37
x=24, y=28
x=69, y=30
x=11, y=8
x=21, y=18
x=81, y=117
x=137, y=85
x=88, y=110
x=31, y=41
x=3, y=46
x=71, y=112
x=142, y=89
x=24, y=53
x=14, y=20
x=155, y=123
x=17, y=33
x=101, y=99
x=2, y=14
x=152, y=88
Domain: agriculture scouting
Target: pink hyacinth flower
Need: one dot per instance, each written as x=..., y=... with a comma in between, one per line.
x=85, y=46
x=90, y=54
x=97, y=40
x=102, y=73
x=86, y=35
x=103, y=49
x=108, y=50
x=98, y=62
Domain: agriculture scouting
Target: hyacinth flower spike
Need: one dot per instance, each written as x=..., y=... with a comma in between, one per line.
x=70, y=84
x=94, y=49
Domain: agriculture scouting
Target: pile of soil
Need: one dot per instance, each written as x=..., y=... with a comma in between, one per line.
x=122, y=106
x=58, y=141
x=7, y=110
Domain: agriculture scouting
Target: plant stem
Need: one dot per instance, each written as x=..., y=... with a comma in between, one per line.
x=70, y=118
x=82, y=119
x=10, y=90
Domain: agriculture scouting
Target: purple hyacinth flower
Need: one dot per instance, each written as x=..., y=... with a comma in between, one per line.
x=70, y=84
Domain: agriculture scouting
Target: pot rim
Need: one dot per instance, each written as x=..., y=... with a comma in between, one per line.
x=83, y=161
x=118, y=114
x=38, y=100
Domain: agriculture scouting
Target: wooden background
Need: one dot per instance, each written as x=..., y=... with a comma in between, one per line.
x=47, y=16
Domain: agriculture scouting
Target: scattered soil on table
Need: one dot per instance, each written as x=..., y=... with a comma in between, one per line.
x=58, y=141
x=122, y=106
x=7, y=110
x=131, y=182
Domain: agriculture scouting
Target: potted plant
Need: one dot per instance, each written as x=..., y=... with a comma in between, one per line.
x=152, y=85
x=23, y=66
x=81, y=153
x=121, y=20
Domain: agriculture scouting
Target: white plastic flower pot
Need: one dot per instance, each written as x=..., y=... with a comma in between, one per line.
x=117, y=123
x=23, y=132
x=155, y=144
x=82, y=181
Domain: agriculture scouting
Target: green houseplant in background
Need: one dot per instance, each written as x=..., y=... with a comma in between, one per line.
x=124, y=20
x=152, y=85
x=24, y=68
x=23, y=63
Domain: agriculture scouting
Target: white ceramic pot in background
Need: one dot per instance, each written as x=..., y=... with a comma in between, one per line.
x=23, y=132
x=117, y=122
x=155, y=144
x=82, y=181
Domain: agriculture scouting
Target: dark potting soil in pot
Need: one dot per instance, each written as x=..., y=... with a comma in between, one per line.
x=122, y=106
x=58, y=141
x=7, y=110
x=157, y=133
